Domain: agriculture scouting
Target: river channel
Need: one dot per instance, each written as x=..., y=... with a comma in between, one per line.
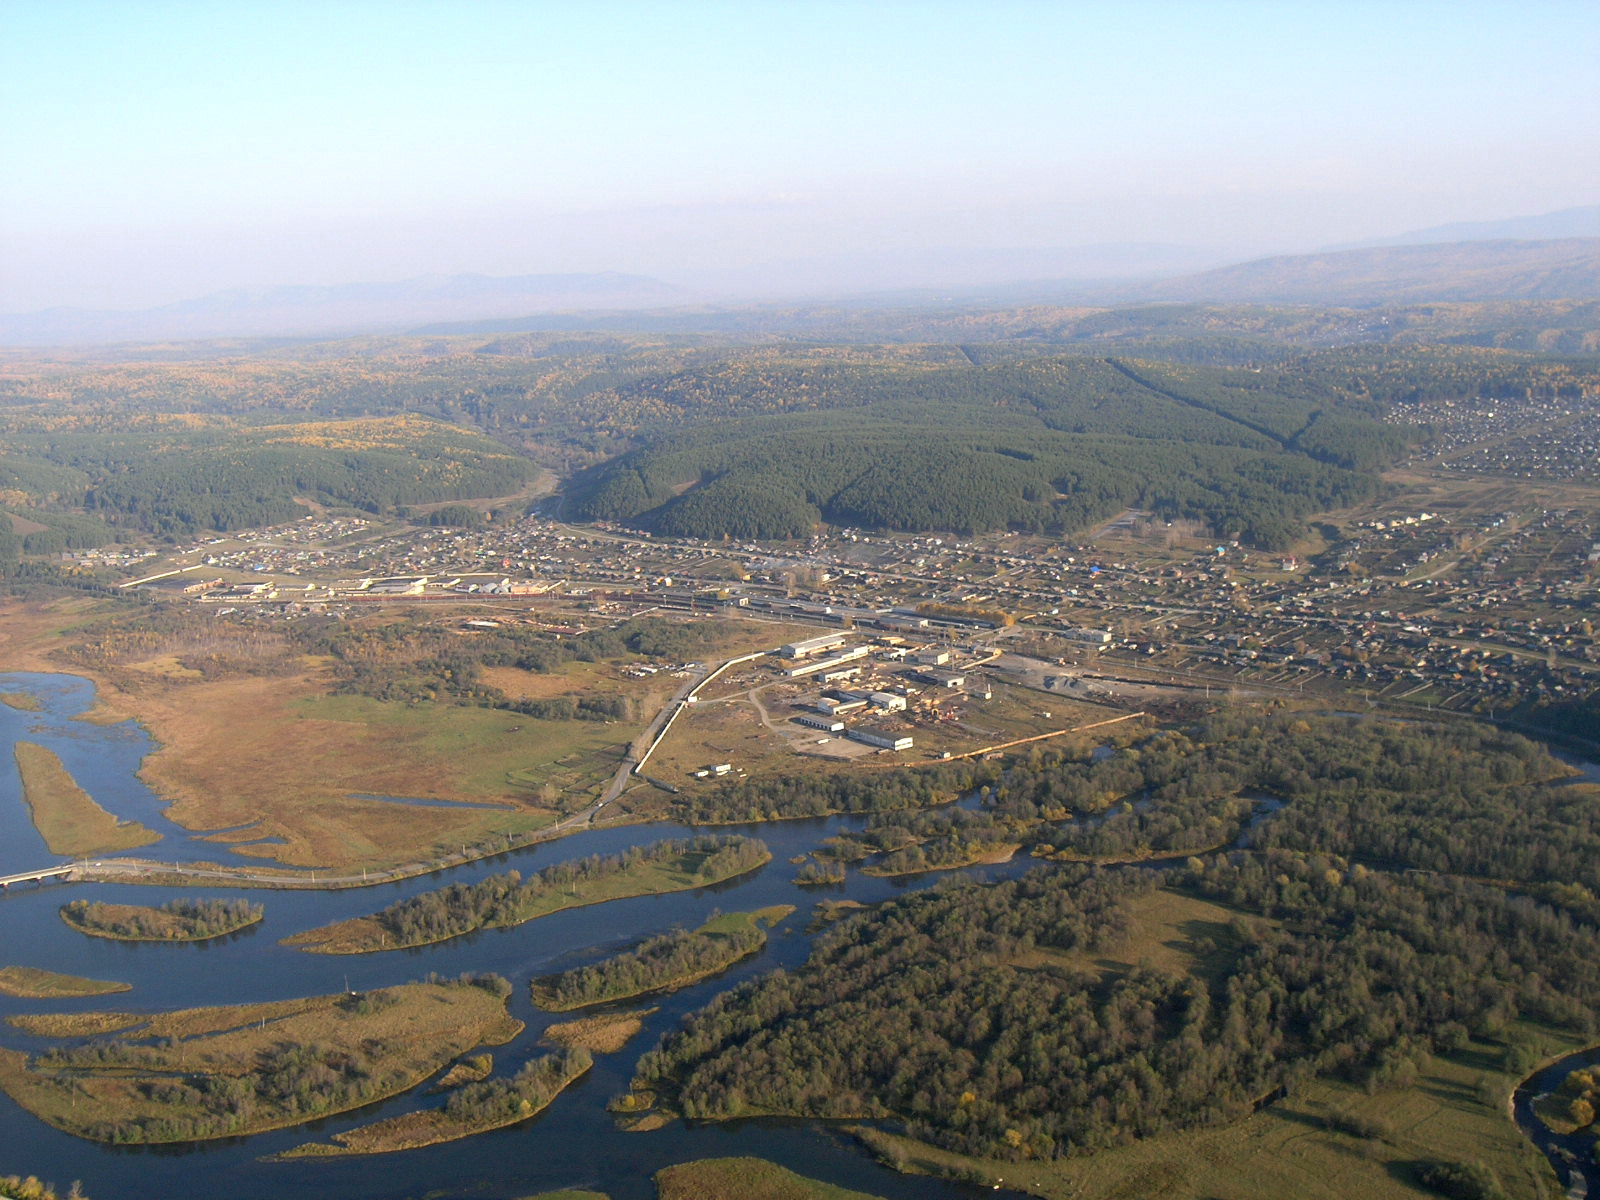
x=572, y=1144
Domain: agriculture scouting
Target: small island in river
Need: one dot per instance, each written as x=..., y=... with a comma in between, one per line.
x=204, y=1073
x=34, y=983
x=471, y=1108
x=176, y=921
x=65, y=815
x=664, y=963
x=501, y=901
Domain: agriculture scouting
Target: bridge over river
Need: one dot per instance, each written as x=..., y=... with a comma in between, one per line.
x=39, y=876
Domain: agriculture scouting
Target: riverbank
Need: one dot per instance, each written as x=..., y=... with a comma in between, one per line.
x=984, y=854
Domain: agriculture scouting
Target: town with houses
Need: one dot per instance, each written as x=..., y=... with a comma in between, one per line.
x=1481, y=599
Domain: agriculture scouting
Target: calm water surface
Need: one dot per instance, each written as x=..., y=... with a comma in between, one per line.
x=574, y=1143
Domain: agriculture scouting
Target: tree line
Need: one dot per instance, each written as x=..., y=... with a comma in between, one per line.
x=508, y=899
x=658, y=962
x=177, y=920
x=1419, y=886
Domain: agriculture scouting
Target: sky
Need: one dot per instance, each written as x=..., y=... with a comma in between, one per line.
x=152, y=150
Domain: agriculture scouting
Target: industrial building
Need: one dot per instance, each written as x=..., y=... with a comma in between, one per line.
x=826, y=664
x=1094, y=637
x=820, y=644
x=834, y=708
x=826, y=724
x=886, y=739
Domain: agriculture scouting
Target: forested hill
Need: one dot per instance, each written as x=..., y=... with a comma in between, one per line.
x=697, y=435
x=178, y=475
x=1053, y=443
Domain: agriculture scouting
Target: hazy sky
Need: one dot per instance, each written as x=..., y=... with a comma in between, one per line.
x=153, y=150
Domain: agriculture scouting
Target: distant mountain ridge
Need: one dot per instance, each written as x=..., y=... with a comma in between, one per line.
x=1472, y=271
x=314, y=310
x=1568, y=223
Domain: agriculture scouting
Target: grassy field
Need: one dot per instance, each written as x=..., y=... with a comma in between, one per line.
x=761, y=918
x=71, y=1025
x=65, y=815
x=568, y=679
x=1169, y=931
x=744, y=1179
x=141, y=1087
x=307, y=774
x=32, y=983
x=604, y=1034
x=491, y=754
x=366, y=935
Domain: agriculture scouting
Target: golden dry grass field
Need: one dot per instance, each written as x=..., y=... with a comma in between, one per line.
x=604, y=1034
x=744, y=1179
x=34, y=983
x=65, y=815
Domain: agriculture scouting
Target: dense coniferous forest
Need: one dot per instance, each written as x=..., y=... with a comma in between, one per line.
x=1053, y=443
x=1402, y=899
x=174, y=478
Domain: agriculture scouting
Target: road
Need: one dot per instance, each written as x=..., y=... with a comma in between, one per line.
x=639, y=749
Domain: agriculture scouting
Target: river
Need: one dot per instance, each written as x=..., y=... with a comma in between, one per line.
x=1572, y=1155
x=573, y=1144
